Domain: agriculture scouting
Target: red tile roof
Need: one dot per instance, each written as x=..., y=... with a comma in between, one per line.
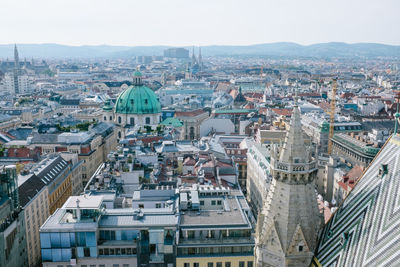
x=349, y=179
x=192, y=113
x=282, y=111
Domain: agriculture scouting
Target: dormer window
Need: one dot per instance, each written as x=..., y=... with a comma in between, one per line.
x=146, y=101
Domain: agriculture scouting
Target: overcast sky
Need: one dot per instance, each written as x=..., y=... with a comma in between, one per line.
x=198, y=22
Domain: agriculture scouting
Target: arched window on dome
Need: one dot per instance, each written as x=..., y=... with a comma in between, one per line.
x=119, y=134
x=110, y=118
x=119, y=119
x=147, y=120
x=105, y=118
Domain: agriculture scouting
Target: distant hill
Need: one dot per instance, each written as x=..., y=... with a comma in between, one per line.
x=283, y=49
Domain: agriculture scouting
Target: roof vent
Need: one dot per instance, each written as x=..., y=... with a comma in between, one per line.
x=383, y=170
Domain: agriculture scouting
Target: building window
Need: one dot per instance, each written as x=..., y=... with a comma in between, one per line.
x=219, y=202
x=186, y=264
x=152, y=248
x=210, y=264
x=147, y=120
x=202, y=202
x=300, y=248
x=228, y=264
x=146, y=101
x=158, y=205
x=119, y=119
x=86, y=252
x=191, y=133
x=213, y=202
x=105, y=118
x=119, y=134
x=195, y=264
x=141, y=206
x=241, y=264
x=219, y=264
x=132, y=121
x=249, y=264
x=110, y=118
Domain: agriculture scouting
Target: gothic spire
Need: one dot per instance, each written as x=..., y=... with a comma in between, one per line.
x=293, y=150
x=16, y=57
x=200, y=59
x=194, y=61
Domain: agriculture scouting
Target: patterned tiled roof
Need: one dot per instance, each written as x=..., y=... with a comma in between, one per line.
x=365, y=230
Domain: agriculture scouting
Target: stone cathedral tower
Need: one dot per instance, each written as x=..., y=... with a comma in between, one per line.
x=16, y=72
x=288, y=226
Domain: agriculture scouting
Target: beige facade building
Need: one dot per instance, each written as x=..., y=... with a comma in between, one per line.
x=92, y=147
x=191, y=122
x=42, y=189
x=258, y=176
x=36, y=213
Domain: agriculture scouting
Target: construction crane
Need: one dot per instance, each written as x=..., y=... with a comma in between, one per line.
x=332, y=115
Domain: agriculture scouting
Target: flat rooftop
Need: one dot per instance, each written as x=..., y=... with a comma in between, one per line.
x=57, y=223
x=85, y=202
x=232, y=217
x=146, y=221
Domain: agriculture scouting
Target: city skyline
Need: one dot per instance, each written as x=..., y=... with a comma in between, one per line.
x=182, y=23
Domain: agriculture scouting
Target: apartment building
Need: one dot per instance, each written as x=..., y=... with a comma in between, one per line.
x=198, y=226
x=92, y=147
x=13, y=250
x=42, y=188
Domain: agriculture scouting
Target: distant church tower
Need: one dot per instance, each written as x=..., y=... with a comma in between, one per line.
x=200, y=60
x=16, y=70
x=288, y=226
x=194, y=60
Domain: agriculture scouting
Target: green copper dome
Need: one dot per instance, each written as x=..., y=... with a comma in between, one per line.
x=107, y=106
x=137, y=99
x=325, y=126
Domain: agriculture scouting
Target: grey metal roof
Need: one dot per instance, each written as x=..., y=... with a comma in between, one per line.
x=147, y=220
x=44, y=138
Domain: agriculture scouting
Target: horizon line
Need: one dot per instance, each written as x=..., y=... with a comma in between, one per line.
x=194, y=45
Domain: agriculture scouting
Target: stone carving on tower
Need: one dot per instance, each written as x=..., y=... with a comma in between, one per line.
x=288, y=226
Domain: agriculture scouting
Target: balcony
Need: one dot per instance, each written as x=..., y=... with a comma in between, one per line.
x=156, y=258
x=116, y=243
x=168, y=241
x=216, y=241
